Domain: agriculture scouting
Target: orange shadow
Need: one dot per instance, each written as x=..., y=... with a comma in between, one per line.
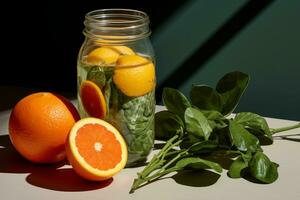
x=63, y=180
x=12, y=162
x=44, y=175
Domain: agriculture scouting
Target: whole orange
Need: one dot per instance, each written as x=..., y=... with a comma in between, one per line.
x=39, y=125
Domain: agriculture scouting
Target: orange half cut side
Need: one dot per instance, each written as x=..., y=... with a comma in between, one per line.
x=92, y=99
x=95, y=149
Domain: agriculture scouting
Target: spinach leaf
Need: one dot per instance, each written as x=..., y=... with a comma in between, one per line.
x=167, y=124
x=254, y=122
x=206, y=98
x=231, y=87
x=175, y=101
x=242, y=139
x=97, y=75
x=197, y=163
x=107, y=93
x=215, y=119
x=203, y=146
x=236, y=167
x=223, y=137
x=263, y=169
x=188, y=140
x=196, y=123
x=136, y=122
x=226, y=96
x=213, y=115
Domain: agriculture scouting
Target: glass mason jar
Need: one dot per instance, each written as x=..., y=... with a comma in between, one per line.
x=116, y=76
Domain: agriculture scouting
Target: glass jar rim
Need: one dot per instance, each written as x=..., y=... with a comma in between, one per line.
x=117, y=24
x=141, y=17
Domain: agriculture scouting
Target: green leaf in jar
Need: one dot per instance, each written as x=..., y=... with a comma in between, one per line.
x=137, y=125
x=107, y=93
x=97, y=75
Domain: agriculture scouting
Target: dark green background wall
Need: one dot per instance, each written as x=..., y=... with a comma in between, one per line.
x=267, y=48
x=196, y=41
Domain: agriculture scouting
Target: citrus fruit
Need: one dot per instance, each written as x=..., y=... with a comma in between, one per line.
x=39, y=125
x=95, y=149
x=102, y=55
x=134, y=75
x=123, y=50
x=92, y=99
x=108, y=54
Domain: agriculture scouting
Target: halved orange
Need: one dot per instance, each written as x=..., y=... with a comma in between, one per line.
x=95, y=149
x=92, y=99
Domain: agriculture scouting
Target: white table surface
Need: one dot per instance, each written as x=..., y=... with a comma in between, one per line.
x=20, y=179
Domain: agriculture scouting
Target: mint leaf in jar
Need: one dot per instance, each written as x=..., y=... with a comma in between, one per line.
x=97, y=75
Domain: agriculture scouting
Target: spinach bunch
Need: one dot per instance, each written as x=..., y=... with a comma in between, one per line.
x=136, y=117
x=199, y=129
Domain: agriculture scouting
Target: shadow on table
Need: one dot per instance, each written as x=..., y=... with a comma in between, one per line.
x=158, y=146
x=63, y=180
x=12, y=162
x=202, y=178
x=288, y=137
x=42, y=175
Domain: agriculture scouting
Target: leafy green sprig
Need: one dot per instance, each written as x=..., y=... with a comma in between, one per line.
x=198, y=129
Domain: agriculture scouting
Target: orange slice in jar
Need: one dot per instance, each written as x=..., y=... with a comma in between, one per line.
x=107, y=55
x=102, y=55
x=92, y=99
x=122, y=50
